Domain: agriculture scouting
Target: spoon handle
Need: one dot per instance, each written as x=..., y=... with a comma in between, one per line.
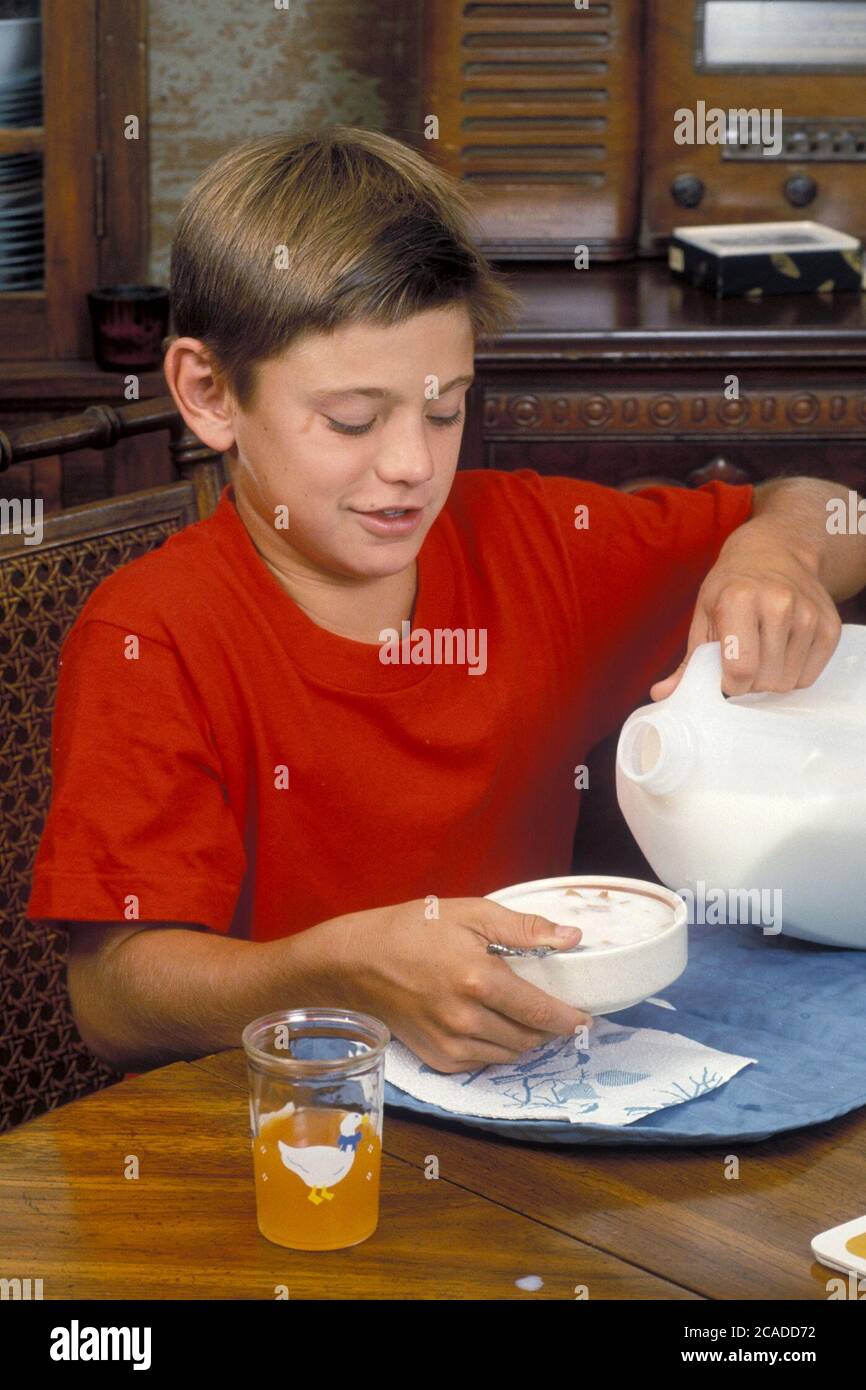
x=495, y=949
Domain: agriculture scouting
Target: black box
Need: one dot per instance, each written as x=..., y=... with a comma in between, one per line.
x=758, y=258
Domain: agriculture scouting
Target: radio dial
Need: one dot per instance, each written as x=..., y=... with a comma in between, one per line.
x=800, y=190
x=687, y=190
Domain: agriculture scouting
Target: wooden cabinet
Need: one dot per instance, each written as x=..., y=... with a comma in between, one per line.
x=92, y=149
x=92, y=144
x=625, y=376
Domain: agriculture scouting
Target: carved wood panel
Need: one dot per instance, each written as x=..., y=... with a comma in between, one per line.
x=575, y=411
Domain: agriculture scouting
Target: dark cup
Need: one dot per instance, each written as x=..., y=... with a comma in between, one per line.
x=129, y=323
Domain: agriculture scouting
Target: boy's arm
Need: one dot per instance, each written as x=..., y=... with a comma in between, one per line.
x=146, y=995
x=796, y=513
x=770, y=597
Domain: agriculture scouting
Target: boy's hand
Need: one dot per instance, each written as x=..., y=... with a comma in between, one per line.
x=764, y=595
x=435, y=985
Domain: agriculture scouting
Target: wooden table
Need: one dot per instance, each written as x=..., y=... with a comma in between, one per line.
x=627, y=1223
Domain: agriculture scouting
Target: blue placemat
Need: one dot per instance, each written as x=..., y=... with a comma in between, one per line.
x=797, y=1008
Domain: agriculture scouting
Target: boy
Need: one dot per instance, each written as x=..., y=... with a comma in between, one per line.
x=261, y=799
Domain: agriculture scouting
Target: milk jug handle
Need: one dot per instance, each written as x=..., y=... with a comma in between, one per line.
x=702, y=677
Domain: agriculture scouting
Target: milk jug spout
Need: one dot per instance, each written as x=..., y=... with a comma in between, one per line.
x=658, y=747
x=657, y=751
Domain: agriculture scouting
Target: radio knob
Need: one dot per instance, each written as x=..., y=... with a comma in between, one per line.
x=800, y=190
x=687, y=190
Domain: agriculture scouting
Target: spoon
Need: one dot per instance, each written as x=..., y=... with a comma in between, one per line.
x=495, y=949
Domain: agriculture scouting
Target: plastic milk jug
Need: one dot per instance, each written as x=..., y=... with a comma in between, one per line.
x=754, y=806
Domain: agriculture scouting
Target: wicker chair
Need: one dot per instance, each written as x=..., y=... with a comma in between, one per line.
x=43, y=1061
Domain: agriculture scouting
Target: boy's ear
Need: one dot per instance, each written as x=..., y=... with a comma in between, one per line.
x=200, y=392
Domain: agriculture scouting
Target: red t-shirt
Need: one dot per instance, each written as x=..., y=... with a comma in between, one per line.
x=220, y=759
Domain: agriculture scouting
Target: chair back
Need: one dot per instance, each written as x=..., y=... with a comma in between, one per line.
x=43, y=587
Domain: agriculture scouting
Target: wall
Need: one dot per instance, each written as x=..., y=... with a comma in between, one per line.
x=227, y=70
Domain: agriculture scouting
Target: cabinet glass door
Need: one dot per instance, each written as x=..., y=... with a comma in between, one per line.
x=22, y=194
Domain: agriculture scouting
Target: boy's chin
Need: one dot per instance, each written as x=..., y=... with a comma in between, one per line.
x=385, y=562
x=373, y=556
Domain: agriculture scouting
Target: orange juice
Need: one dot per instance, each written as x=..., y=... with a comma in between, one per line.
x=317, y=1178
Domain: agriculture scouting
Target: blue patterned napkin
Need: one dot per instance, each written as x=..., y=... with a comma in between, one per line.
x=619, y=1076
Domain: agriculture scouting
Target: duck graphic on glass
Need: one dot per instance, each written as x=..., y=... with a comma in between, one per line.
x=322, y=1166
x=317, y=1176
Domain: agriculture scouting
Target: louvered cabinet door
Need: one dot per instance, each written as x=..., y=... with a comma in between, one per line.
x=537, y=108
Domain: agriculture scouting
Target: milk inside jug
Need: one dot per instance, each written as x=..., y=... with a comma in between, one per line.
x=756, y=804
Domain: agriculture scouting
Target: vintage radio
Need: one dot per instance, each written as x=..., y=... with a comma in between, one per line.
x=536, y=108
x=754, y=110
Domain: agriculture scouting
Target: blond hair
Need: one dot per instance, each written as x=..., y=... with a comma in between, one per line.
x=293, y=233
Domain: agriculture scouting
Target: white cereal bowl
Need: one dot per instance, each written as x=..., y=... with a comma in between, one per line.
x=600, y=977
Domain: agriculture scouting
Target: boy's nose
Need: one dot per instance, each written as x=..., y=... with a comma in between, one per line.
x=408, y=462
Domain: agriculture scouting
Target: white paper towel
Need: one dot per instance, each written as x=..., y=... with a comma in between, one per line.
x=621, y=1075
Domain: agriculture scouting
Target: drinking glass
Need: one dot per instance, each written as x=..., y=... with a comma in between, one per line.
x=317, y=1080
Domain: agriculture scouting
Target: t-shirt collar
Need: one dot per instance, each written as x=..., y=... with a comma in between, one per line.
x=335, y=660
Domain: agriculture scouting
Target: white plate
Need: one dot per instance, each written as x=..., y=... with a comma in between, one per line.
x=28, y=91
x=20, y=46
x=21, y=80
x=21, y=116
x=26, y=191
x=31, y=101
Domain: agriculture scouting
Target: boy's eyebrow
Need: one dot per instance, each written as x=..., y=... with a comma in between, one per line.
x=378, y=392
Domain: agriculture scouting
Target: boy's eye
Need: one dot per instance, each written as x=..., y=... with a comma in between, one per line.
x=440, y=420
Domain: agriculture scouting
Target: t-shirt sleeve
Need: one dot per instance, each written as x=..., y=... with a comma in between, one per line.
x=139, y=826
x=636, y=561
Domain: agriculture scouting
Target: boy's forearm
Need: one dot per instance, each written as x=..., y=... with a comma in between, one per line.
x=798, y=509
x=169, y=993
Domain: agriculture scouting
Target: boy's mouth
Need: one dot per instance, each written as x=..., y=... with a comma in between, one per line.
x=395, y=521
x=388, y=511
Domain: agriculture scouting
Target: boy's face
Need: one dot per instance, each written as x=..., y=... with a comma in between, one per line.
x=348, y=424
